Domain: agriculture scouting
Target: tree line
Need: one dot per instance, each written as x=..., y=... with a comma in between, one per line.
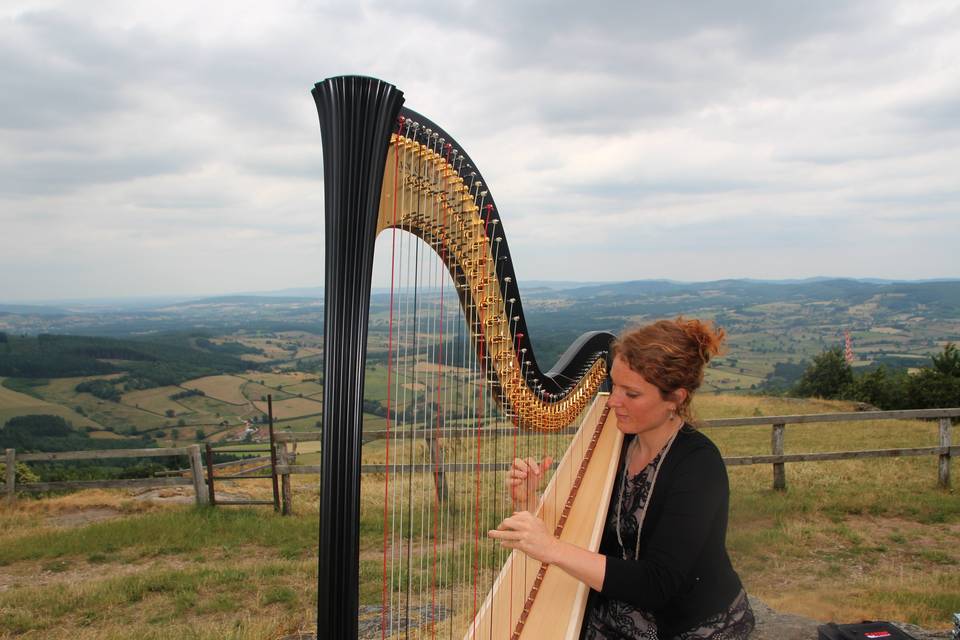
x=936, y=385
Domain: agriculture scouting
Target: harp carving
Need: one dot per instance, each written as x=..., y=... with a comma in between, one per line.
x=386, y=168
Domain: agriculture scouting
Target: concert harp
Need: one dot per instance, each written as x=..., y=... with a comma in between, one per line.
x=467, y=393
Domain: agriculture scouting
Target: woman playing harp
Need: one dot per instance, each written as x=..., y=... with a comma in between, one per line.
x=662, y=570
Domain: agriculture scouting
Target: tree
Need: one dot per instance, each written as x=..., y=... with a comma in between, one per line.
x=200, y=435
x=826, y=376
x=948, y=362
x=929, y=388
x=170, y=413
x=881, y=387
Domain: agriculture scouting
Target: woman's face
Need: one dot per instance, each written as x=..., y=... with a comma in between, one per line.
x=639, y=406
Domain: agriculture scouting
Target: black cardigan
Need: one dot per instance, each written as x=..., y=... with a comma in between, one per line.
x=683, y=575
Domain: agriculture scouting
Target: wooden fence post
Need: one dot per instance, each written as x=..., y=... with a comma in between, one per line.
x=196, y=472
x=776, y=446
x=11, y=479
x=439, y=477
x=943, y=477
x=208, y=460
x=273, y=457
x=285, y=489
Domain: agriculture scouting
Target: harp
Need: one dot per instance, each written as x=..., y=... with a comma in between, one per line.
x=389, y=169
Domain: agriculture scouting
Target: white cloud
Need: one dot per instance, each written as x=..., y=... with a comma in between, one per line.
x=174, y=147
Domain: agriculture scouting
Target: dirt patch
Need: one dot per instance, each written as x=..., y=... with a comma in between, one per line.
x=83, y=516
x=73, y=571
x=167, y=495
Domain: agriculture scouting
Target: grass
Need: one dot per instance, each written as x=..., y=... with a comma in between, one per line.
x=225, y=388
x=14, y=403
x=848, y=540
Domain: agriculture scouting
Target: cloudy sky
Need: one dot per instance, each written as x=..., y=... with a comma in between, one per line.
x=152, y=148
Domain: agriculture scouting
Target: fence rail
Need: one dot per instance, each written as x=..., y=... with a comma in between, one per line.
x=282, y=458
x=777, y=458
x=11, y=486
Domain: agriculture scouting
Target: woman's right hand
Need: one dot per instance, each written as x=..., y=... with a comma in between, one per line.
x=524, y=479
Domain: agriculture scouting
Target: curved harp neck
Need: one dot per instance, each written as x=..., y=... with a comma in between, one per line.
x=428, y=192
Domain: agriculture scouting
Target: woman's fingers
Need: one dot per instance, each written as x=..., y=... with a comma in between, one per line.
x=547, y=463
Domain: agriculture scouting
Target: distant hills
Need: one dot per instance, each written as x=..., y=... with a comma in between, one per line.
x=892, y=316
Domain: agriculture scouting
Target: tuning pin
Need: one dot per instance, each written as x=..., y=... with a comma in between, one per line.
x=511, y=301
x=508, y=279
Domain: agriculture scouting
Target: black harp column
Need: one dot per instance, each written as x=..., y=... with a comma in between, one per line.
x=357, y=115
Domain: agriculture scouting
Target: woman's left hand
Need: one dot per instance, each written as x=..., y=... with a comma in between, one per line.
x=527, y=533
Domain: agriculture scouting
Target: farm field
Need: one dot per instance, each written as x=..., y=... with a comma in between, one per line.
x=225, y=388
x=281, y=346
x=14, y=403
x=253, y=391
x=120, y=416
x=209, y=409
x=292, y=408
x=307, y=389
x=281, y=381
x=156, y=400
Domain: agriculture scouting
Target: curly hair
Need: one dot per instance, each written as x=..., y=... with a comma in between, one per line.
x=671, y=354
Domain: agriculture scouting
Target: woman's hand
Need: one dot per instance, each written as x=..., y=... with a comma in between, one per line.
x=527, y=533
x=524, y=479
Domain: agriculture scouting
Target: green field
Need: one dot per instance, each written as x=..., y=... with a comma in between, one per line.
x=13, y=404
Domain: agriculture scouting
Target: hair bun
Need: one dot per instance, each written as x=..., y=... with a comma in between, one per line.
x=709, y=339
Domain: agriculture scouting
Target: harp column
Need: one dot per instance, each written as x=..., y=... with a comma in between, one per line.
x=357, y=115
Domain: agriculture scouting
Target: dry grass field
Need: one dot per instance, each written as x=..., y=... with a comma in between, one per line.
x=292, y=408
x=225, y=388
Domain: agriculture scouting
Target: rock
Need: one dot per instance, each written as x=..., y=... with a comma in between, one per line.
x=772, y=625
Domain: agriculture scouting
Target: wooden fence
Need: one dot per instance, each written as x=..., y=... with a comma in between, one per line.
x=285, y=456
x=777, y=458
x=192, y=452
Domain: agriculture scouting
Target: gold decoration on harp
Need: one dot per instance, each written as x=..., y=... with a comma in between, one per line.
x=423, y=194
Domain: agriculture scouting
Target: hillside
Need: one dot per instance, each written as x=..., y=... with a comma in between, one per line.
x=139, y=359
x=842, y=543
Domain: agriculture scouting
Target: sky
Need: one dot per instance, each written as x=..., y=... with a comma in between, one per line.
x=172, y=148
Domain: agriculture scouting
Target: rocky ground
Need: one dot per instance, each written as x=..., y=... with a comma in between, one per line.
x=771, y=625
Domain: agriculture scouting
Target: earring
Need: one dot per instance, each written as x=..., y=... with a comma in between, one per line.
x=673, y=413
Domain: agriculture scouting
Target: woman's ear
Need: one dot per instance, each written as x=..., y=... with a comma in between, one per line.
x=678, y=396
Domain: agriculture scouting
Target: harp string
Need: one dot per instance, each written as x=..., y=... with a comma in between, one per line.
x=438, y=551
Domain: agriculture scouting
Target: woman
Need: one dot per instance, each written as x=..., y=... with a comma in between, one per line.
x=663, y=569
